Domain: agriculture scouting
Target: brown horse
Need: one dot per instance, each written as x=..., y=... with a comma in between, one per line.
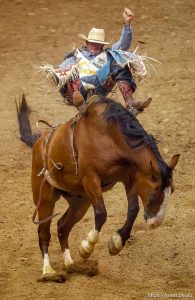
x=108, y=146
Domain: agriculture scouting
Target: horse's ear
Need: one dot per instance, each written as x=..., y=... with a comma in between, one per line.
x=174, y=161
x=153, y=173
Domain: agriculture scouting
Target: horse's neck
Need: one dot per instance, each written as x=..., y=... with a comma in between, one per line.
x=144, y=158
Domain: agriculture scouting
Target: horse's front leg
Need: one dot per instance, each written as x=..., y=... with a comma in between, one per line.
x=117, y=241
x=92, y=186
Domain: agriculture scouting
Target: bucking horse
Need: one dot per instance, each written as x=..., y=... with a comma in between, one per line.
x=86, y=156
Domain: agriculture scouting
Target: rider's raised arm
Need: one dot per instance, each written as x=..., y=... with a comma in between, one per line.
x=125, y=39
x=126, y=36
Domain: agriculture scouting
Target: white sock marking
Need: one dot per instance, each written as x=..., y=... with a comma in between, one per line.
x=93, y=236
x=118, y=244
x=88, y=244
x=87, y=247
x=67, y=258
x=47, y=269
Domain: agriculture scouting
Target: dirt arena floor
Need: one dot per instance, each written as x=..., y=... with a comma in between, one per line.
x=160, y=261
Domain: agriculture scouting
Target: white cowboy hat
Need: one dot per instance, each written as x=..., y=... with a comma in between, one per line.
x=95, y=35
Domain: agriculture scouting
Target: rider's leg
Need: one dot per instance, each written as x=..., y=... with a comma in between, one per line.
x=127, y=87
x=133, y=105
x=77, y=96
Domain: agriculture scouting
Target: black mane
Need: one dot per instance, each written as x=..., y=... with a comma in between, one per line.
x=135, y=135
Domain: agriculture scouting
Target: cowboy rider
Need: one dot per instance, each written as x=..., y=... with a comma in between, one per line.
x=92, y=58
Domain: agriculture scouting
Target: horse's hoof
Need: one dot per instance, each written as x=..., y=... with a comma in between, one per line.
x=47, y=270
x=68, y=264
x=115, y=244
x=67, y=259
x=86, y=249
x=84, y=254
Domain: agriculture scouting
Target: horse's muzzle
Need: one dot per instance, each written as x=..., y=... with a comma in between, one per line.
x=152, y=220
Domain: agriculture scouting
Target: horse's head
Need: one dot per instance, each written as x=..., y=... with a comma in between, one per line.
x=154, y=190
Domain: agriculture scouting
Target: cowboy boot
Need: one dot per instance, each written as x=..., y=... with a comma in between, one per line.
x=134, y=106
x=77, y=97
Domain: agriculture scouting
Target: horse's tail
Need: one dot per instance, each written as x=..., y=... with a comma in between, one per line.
x=23, y=112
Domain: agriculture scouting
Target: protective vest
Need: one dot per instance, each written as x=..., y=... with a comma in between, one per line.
x=90, y=67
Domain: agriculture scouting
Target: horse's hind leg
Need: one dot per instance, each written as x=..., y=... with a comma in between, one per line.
x=78, y=206
x=49, y=196
x=92, y=186
x=117, y=241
